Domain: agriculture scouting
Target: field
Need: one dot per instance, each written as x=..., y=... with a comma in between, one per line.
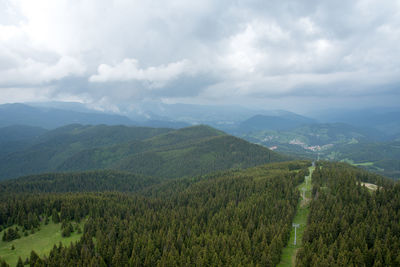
x=289, y=252
x=41, y=242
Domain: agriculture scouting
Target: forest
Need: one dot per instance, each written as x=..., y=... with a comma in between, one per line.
x=349, y=224
x=155, y=152
x=229, y=218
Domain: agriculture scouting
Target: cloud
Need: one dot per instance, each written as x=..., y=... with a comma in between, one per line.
x=129, y=70
x=32, y=72
x=220, y=51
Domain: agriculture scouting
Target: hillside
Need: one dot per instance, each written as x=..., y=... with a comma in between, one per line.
x=16, y=133
x=51, y=149
x=380, y=157
x=17, y=137
x=186, y=152
x=91, y=181
x=150, y=151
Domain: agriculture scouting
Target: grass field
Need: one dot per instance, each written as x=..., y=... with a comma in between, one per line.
x=41, y=242
x=288, y=256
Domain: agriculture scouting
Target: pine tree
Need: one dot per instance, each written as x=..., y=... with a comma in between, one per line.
x=20, y=263
x=33, y=258
x=55, y=217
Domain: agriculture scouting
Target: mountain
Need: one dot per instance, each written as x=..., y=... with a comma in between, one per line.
x=50, y=118
x=47, y=151
x=223, y=117
x=149, y=151
x=194, y=114
x=163, y=124
x=16, y=133
x=186, y=152
x=68, y=106
x=264, y=122
x=386, y=120
x=17, y=137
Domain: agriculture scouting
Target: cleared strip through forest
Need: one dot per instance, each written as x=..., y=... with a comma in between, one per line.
x=288, y=257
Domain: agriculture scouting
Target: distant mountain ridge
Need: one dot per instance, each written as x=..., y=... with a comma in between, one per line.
x=386, y=120
x=50, y=117
x=264, y=122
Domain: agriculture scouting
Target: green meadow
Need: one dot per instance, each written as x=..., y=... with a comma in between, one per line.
x=41, y=242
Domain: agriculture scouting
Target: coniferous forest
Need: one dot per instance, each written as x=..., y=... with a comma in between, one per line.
x=229, y=216
x=349, y=224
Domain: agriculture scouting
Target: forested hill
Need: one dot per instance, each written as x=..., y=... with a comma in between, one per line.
x=47, y=151
x=149, y=151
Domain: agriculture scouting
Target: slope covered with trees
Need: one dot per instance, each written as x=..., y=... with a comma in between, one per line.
x=205, y=220
x=90, y=181
x=46, y=152
x=150, y=151
x=380, y=157
x=350, y=225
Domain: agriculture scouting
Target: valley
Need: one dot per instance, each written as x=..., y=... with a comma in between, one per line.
x=336, y=142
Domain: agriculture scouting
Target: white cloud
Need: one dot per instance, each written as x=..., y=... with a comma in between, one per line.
x=26, y=54
x=129, y=70
x=31, y=72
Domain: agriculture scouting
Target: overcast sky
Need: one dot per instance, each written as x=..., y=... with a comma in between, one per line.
x=293, y=55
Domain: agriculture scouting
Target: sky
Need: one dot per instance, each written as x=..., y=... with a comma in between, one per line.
x=117, y=54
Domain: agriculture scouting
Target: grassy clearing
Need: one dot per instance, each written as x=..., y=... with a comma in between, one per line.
x=288, y=256
x=41, y=242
